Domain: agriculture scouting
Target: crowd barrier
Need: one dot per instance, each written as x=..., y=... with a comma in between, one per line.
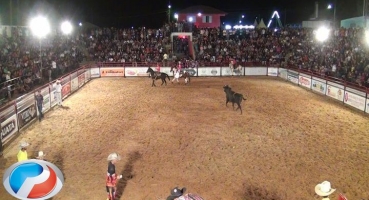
x=23, y=110
x=16, y=115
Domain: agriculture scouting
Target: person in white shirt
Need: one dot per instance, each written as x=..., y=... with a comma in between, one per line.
x=58, y=95
x=165, y=60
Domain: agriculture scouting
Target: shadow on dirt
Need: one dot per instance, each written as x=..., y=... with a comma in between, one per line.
x=127, y=172
x=252, y=192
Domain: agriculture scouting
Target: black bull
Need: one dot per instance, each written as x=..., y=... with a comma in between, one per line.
x=235, y=98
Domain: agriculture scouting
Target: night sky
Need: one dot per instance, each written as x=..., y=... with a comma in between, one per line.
x=127, y=13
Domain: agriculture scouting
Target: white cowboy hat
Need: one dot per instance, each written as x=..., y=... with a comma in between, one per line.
x=23, y=144
x=58, y=81
x=41, y=155
x=113, y=156
x=324, y=189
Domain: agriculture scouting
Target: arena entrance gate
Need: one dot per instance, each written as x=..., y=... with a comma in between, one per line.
x=182, y=35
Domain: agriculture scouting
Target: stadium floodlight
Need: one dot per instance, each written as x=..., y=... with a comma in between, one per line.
x=66, y=27
x=190, y=19
x=243, y=16
x=199, y=14
x=322, y=34
x=176, y=16
x=240, y=21
x=329, y=6
x=80, y=24
x=228, y=27
x=169, y=6
x=367, y=36
x=40, y=26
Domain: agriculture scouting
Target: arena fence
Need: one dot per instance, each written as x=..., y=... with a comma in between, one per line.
x=19, y=113
x=22, y=111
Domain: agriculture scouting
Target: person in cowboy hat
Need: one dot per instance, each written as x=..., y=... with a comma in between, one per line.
x=41, y=155
x=111, y=177
x=178, y=194
x=22, y=154
x=58, y=95
x=324, y=190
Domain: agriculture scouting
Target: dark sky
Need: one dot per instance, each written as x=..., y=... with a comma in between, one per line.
x=149, y=13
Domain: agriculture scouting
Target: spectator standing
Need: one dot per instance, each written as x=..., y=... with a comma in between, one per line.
x=22, y=154
x=58, y=90
x=39, y=101
x=165, y=59
x=41, y=155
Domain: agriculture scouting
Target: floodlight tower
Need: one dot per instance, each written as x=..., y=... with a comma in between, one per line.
x=40, y=27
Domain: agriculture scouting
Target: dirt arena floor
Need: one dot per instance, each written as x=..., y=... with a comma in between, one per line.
x=287, y=141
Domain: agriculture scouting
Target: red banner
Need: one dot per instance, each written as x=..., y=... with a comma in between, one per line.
x=81, y=79
x=65, y=90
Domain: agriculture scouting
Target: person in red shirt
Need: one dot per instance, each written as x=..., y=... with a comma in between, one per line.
x=112, y=177
x=157, y=67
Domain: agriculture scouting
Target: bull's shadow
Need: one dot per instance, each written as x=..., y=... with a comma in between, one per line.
x=127, y=172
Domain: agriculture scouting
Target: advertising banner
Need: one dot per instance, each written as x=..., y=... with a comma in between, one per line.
x=65, y=90
x=209, y=71
x=74, y=84
x=138, y=71
x=272, y=71
x=304, y=81
x=27, y=115
x=112, y=71
x=87, y=76
x=95, y=72
x=293, y=77
x=318, y=86
x=226, y=71
x=335, y=92
x=367, y=106
x=282, y=73
x=354, y=100
x=9, y=127
x=81, y=79
x=256, y=71
x=164, y=70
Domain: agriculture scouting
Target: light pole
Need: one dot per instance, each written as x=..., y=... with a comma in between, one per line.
x=334, y=11
x=40, y=27
x=169, y=7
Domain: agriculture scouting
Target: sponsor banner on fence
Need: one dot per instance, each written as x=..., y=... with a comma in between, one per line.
x=95, y=72
x=209, y=71
x=367, y=106
x=65, y=90
x=81, y=79
x=226, y=71
x=335, y=92
x=304, y=81
x=354, y=100
x=87, y=76
x=112, y=71
x=9, y=127
x=27, y=115
x=74, y=84
x=318, y=86
x=282, y=73
x=137, y=71
x=256, y=71
x=272, y=71
x=293, y=77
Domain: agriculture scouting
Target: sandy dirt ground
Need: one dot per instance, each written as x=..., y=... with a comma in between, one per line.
x=287, y=141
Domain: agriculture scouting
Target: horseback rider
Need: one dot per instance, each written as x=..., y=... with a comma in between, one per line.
x=112, y=177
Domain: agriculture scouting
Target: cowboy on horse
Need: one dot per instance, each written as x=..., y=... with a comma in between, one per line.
x=234, y=69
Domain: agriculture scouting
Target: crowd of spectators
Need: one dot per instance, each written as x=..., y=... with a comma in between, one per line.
x=344, y=55
x=21, y=66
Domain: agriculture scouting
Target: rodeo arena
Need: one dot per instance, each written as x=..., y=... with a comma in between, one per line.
x=188, y=111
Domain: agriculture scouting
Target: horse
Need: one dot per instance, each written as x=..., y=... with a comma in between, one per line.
x=156, y=76
x=233, y=97
x=236, y=70
x=184, y=74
